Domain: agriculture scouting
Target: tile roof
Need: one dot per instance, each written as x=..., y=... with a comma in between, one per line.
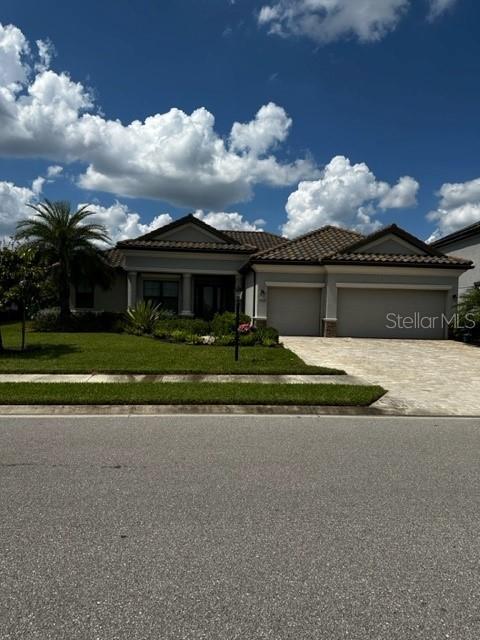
x=261, y=240
x=114, y=257
x=186, y=245
x=389, y=259
x=467, y=232
x=311, y=247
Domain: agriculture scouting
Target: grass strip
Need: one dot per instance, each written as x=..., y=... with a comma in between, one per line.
x=188, y=393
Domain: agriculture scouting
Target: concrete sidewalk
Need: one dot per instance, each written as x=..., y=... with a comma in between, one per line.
x=102, y=377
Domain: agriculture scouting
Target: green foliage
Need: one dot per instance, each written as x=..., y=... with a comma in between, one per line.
x=248, y=339
x=179, y=336
x=224, y=323
x=266, y=334
x=268, y=342
x=468, y=311
x=22, y=281
x=142, y=318
x=48, y=320
x=66, y=242
x=225, y=341
x=193, y=326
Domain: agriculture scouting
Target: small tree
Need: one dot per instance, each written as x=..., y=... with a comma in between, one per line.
x=22, y=280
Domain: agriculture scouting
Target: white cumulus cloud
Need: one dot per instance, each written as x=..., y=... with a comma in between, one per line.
x=13, y=207
x=123, y=223
x=459, y=206
x=345, y=195
x=173, y=156
x=229, y=221
x=325, y=21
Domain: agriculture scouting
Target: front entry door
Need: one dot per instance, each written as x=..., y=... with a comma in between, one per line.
x=213, y=296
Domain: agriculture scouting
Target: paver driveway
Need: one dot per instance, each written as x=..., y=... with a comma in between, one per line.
x=422, y=376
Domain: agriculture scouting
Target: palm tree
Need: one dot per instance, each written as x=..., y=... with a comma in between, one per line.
x=66, y=243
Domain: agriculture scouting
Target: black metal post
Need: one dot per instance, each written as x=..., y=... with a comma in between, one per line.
x=237, y=322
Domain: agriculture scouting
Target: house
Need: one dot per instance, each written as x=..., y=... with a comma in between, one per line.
x=464, y=243
x=331, y=282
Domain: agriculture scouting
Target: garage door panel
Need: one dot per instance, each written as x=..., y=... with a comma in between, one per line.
x=390, y=313
x=294, y=311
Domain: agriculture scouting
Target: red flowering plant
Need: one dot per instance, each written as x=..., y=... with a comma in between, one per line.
x=246, y=327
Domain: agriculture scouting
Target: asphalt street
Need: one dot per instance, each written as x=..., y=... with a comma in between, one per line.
x=226, y=527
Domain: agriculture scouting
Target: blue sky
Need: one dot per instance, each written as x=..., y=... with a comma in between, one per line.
x=401, y=98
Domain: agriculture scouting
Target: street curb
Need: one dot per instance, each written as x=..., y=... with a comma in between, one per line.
x=168, y=409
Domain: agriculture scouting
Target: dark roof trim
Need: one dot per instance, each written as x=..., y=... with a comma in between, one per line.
x=192, y=249
x=393, y=229
x=190, y=219
x=391, y=263
x=461, y=234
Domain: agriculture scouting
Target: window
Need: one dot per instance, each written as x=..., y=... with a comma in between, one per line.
x=84, y=295
x=162, y=292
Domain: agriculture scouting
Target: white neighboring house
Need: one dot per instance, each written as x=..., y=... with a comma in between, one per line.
x=464, y=243
x=330, y=282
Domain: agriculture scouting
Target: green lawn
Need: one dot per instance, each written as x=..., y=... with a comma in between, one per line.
x=122, y=353
x=188, y=393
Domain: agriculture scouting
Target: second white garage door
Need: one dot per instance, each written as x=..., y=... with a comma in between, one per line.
x=362, y=313
x=294, y=311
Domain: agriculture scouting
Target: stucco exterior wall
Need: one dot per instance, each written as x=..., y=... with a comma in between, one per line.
x=468, y=248
x=188, y=262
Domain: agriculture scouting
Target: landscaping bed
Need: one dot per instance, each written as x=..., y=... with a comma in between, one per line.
x=82, y=352
x=181, y=393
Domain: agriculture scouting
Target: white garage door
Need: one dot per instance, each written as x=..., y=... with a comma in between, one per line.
x=294, y=311
x=390, y=313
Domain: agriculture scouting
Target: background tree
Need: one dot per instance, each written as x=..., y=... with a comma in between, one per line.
x=468, y=310
x=67, y=242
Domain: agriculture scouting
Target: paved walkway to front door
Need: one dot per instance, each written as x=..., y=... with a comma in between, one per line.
x=423, y=377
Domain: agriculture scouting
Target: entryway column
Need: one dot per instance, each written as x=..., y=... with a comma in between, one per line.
x=131, y=288
x=186, y=295
x=329, y=329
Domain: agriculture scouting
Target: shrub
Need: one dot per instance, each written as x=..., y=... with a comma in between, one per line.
x=468, y=311
x=268, y=342
x=225, y=341
x=266, y=334
x=194, y=339
x=223, y=324
x=49, y=320
x=248, y=339
x=179, y=336
x=142, y=318
x=193, y=326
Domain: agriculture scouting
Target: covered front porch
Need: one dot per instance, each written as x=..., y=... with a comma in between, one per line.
x=187, y=294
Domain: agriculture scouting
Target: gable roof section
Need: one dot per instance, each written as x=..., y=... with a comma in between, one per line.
x=393, y=229
x=467, y=232
x=243, y=242
x=190, y=219
x=311, y=247
x=334, y=245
